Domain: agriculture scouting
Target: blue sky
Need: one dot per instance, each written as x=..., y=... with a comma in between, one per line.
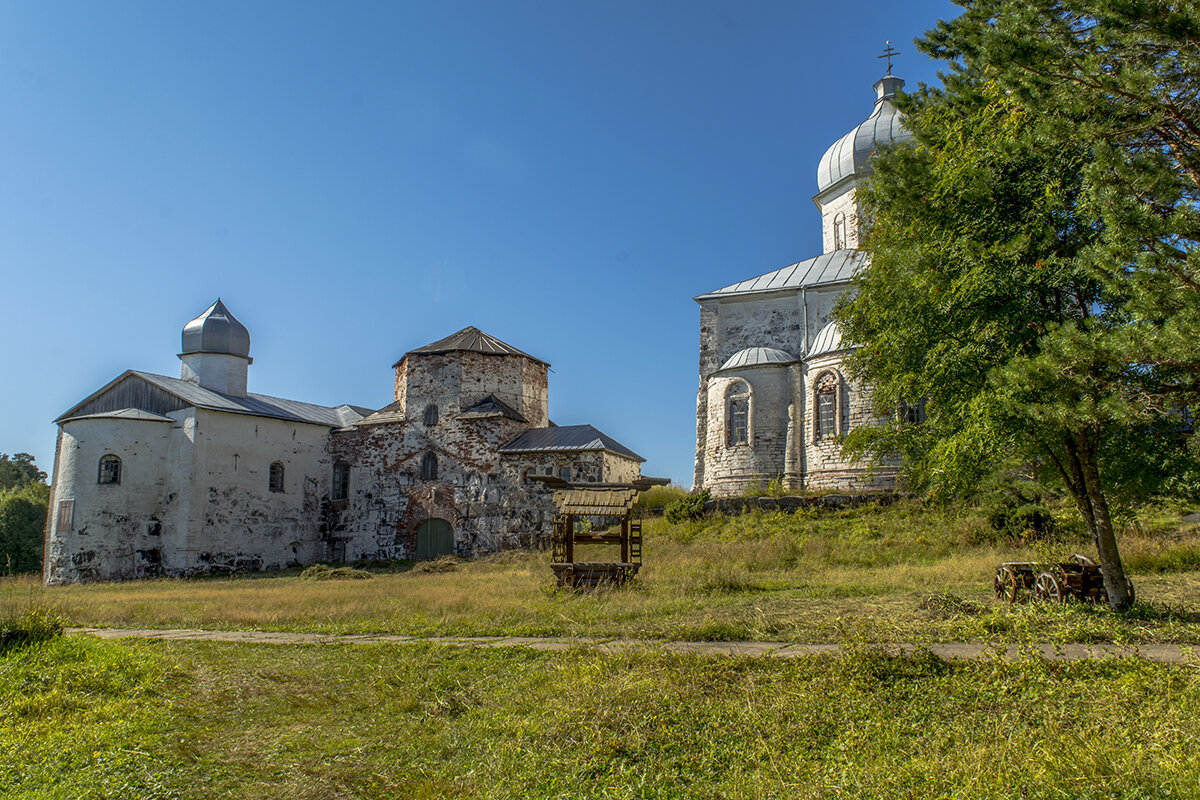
x=358, y=179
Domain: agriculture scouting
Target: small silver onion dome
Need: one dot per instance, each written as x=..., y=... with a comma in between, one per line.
x=829, y=340
x=216, y=331
x=849, y=155
x=758, y=357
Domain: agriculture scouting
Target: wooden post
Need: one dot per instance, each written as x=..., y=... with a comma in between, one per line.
x=625, y=539
x=570, y=538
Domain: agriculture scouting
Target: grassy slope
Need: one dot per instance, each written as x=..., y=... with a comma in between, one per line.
x=903, y=573
x=89, y=719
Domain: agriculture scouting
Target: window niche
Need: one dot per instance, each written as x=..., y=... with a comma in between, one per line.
x=275, y=476
x=431, y=415
x=839, y=231
x=737, y=414
x=110, y=471
x=914, y=414
x=429, y=467
x=340, y=490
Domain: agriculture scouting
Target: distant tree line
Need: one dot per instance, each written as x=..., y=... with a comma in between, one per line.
x=24, y=497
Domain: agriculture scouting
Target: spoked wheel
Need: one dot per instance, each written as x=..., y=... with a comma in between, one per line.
x=1005, y=584
x=1047, y=588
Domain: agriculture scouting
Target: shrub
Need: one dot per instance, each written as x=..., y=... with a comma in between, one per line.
x=690, y=507
x=660, y=496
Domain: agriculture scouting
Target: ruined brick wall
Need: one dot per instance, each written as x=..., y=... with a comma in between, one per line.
x=456, y=381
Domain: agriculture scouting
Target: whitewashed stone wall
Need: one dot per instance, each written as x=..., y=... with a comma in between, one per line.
x=845, y=203
x=733, y=469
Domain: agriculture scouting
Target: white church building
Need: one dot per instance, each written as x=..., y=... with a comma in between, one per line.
x=162, y=476
x=774, y=401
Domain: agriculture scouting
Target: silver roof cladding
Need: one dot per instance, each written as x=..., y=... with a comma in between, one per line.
x=838, y=266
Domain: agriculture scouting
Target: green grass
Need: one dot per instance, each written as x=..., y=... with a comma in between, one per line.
x=84, y=718
x=900, y=573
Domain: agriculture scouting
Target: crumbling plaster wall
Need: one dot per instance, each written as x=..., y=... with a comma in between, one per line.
x=456, y=381
x=236, y=522
x=735, y=468
x=112, y=531
x=844, y=203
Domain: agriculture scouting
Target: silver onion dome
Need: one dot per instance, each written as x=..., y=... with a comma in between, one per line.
x=216, y=331
x=848, y=156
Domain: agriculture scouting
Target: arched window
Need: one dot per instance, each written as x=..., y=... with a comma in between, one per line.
x=825, y=403
x=839, y=231
x=431, y=415
x=341, y=481
x=110, y=470
x=429, y=467
x=737, y=414
x=275, y=477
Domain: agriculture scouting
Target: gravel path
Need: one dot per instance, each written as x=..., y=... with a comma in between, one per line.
x=1165, y=653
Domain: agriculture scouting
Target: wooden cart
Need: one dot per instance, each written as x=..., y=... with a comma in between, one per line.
x=1079, y=578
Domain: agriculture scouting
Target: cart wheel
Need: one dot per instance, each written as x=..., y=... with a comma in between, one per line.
x=1047, y=588
x=1005, y=585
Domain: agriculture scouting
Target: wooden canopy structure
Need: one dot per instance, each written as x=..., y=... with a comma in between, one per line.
x=581, y=501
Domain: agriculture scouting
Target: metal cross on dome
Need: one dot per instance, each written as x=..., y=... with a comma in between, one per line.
x=888, y=53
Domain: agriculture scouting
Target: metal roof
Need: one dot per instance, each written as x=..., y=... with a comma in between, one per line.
x=492, y=406
x=261, y=405
x=471, y=339
x=125, y=413
x=566, y=438
x=838, y=266
x=848, y=156
x=216, y=331
x=829, y=340
x=758, y=356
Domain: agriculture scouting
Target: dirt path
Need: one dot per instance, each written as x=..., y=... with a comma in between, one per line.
x=1165, y=653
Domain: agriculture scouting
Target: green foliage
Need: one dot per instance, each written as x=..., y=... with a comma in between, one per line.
x=22, y=528
x=19, y=470
x=689, y=507
x=660, y=496
x=774, y=488
x=91, y=719
x=26, y=624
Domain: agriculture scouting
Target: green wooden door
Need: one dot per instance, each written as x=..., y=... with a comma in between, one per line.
x=435, y=538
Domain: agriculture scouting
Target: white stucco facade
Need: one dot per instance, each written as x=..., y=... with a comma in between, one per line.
x=799, y=411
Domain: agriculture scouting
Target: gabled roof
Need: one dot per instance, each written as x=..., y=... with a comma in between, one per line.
x=125, y=413
x=571, y=438
x=172, y=394
x=492, y=406
x=838, y=266
x=472, y=340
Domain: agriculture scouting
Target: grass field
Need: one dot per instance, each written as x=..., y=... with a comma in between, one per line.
x=90, y=719
x=83, y=718
x=901, y=573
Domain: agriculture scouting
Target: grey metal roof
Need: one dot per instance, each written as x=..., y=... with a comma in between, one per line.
x=392, y=412
x=216, y=331
x=829, y=340
x=838, y=266
x=125, y=413
x=849, y=155
x=261, y=405
x=566, y=438
x=492, y=406
x=473, y=340
x=758, y=356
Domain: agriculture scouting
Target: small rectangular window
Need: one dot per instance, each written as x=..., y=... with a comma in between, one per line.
x=66, y=516
x=566, y=474
x=341, y=481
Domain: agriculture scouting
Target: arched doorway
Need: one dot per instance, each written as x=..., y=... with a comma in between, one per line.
x=435, y=538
